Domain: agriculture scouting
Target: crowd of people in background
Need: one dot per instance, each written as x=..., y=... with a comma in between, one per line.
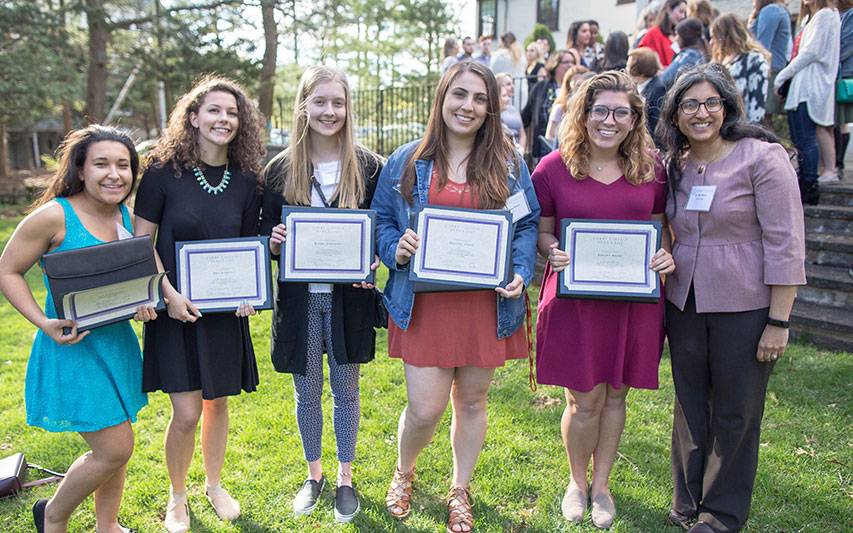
x=623, y=128
x=684, y=34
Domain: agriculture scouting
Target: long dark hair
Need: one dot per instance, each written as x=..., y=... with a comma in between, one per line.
x=179, y=142
x=486, y=169
x=72, y=156
x=734, y=127
x=692, y=34
x=663, y=22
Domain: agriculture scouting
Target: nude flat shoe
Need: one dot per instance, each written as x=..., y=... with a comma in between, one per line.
x=573, y=505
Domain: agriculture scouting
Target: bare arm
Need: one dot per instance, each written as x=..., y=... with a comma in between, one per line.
x=662, y=262
x=37, y=234
x=547, y=244
x=178, y=307
x=773, y=341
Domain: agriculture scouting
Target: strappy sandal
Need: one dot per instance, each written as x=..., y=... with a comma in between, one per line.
x=399, y=495
x=459, y=503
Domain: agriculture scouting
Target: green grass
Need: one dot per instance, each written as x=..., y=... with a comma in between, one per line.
x=805, y=473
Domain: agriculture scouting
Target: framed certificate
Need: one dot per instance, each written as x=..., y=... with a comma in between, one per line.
x=113, y=303
x=219, y=274
x=468, y=249
x=327, y=245
x=609, y=260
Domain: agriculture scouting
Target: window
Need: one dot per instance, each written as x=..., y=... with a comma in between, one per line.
x=487, y=22
x=546, y=13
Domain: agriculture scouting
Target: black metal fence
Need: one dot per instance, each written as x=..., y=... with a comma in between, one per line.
x=385, y=118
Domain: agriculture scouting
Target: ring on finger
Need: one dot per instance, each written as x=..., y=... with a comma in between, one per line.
x=774, y=356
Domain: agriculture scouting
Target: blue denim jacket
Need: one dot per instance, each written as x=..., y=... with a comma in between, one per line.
x=392, y=219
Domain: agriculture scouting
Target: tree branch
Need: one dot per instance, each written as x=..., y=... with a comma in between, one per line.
x=124, y=24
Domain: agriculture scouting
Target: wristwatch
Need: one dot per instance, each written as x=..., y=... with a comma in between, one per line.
x=779, y=323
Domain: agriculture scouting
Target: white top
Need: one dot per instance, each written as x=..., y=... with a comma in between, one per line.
x=812, y=72
x=328, y=176
x=502, y=62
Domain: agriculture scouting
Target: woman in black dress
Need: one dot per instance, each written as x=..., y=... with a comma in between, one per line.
x=201, y=183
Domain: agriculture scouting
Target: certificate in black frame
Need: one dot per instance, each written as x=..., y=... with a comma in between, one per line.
x=362, y=219
x=256, y=247
x=602, y=289
x=425, y=281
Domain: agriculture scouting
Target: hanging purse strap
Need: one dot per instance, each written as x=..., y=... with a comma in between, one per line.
x=56, y=476
x=316, y=185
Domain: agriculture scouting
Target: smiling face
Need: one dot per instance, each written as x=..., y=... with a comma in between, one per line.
x=465, y=106
x=327, y=108
x=593, y=33
x=702, y=127
x=583, y=35
x=106, y=174
x=217, y=120
x=607, y=135
x=677, y=13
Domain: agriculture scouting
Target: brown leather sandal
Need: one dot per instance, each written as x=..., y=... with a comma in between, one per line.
x=459, y=503
x=399, y=495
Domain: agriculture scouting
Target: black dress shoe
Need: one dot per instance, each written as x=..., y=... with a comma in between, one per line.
x=701, y=527
x=674, y=518
x=38, y=514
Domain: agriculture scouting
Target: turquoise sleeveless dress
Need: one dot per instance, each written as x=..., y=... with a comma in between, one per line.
x=91, y=385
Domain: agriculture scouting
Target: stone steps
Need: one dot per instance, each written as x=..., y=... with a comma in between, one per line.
x=823, y=311
x=829, y=328
x=837, y=219
x=827, y=249
x=839, y=194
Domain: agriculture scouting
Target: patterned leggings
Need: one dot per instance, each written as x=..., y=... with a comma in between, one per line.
x=308, y=388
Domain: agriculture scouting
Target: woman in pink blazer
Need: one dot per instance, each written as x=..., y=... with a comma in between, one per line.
x=734, y=208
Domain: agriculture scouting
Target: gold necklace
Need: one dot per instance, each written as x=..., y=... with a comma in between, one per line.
x=702, y=166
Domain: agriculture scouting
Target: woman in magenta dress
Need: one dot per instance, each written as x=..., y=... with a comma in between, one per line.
x=598, y=350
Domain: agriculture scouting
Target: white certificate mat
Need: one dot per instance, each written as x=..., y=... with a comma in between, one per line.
x=219, y=275
x=468, y=247
x=327, y=245
x=609, y=260
x=100, y=306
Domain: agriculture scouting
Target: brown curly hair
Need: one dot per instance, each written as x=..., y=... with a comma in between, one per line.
x=635, y=153
x=179, y=143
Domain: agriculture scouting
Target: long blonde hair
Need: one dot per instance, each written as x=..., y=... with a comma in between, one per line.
x=294, y=180
x=729, y=35
x=635, y=157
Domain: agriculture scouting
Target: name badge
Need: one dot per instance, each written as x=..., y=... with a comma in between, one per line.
x=701, y=197
x=518, y=206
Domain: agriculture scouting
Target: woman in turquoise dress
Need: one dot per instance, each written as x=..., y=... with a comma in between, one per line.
x=89, y=382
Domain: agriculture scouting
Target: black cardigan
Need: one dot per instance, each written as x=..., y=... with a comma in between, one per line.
x=353, y=336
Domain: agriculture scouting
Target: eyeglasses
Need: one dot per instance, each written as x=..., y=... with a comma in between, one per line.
x=622, y=115
x=691, y=107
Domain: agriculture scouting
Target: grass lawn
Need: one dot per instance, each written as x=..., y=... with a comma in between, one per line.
x=805, y=473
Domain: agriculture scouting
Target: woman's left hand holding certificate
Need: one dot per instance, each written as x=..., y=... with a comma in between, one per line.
x=277, y=238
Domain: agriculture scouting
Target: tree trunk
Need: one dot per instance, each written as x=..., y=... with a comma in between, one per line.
x=66, y=118
x=268, y=66
x=4, y=150
x=96, y=89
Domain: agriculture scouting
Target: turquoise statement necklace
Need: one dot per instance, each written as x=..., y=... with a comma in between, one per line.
x=208, y=188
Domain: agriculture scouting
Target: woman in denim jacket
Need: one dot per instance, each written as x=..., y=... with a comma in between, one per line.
x=451, y=343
